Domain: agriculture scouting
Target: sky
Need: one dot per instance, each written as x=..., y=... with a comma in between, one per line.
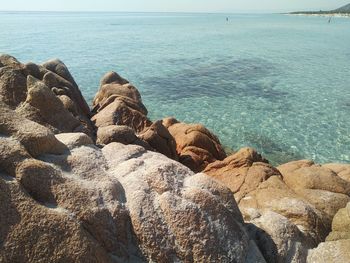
x=229, y=6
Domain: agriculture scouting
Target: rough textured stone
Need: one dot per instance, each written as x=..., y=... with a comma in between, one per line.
x=278, y=238
x=305, y=174
x=342, y=170
x=13, y=86
x=195, y=145
x=334, y=251
x=44, y=107
x=341, y=225
x=159, y=193
x=119, y=103
x=72, y=140
x=116, y=133
x=289, y=210
x=242, y=172
x=58, y=67
x=159, y=138
x=34, y=137
x=50, y=98
x=118, y=204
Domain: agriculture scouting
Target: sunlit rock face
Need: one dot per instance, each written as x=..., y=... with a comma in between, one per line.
x=289, y=209
x=111, y=189
x=63, y=199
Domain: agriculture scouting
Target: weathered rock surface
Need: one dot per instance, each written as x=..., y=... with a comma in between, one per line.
x=330, y=252
x=195, y=145
x=45, y=94
x=158, y=137
x=64, y=198
x=289, y=209
x=119, y=103
x=336, y=247
x=118, y=204
x=340, y=225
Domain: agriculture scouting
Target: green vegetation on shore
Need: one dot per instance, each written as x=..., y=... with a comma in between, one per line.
x=344, y=10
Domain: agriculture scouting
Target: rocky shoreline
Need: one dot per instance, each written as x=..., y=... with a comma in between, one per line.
x=109, y=185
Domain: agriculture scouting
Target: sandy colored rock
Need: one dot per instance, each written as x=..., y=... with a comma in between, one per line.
x=116, y=133
x=342, y=170
x=58, y=67
x=159, y=138
x=13, y=86
x=305, y=174
x=36, y=138
x=278, y=238
x=195, y=145
x=341, y=225
x=31, y=232
x=242, y=172
x=44, y=107
x=72, y=140
x=330, y=252
x=59, y=106
x=325, y=201
x=162, y=194
x=112, y=77
x=111, y=208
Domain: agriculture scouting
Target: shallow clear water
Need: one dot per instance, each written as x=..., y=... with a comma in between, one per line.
x=278, y=83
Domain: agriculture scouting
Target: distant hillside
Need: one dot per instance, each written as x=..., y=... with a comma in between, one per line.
x=342, y=10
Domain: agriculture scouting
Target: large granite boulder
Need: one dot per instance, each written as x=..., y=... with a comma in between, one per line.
x=45, y=94
x=63, y=199
x=195, y=145
x=118, y=204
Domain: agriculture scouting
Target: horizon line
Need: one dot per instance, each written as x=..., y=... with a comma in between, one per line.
x=164, y=12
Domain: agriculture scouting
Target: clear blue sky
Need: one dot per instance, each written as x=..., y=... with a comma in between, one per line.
x=171, y=6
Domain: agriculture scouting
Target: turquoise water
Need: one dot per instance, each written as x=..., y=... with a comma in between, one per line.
x=278, y=83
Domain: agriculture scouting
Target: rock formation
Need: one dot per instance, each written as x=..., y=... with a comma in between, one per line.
x=63, y=199
x=111, y=189
x=290, y=208
x=195, y=145
x=118, y=103
x=45, y=94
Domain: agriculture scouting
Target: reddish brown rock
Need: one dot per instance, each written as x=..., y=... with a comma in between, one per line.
x=159, y=138
x=195, y=145
x=242, y=172
x=119, y=103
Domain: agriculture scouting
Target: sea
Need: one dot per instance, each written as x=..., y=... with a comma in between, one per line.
x=275, y=82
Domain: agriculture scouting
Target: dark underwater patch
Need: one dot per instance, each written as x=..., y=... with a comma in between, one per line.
x=222, y=78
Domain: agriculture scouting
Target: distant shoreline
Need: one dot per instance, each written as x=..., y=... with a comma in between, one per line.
x=322, y=14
